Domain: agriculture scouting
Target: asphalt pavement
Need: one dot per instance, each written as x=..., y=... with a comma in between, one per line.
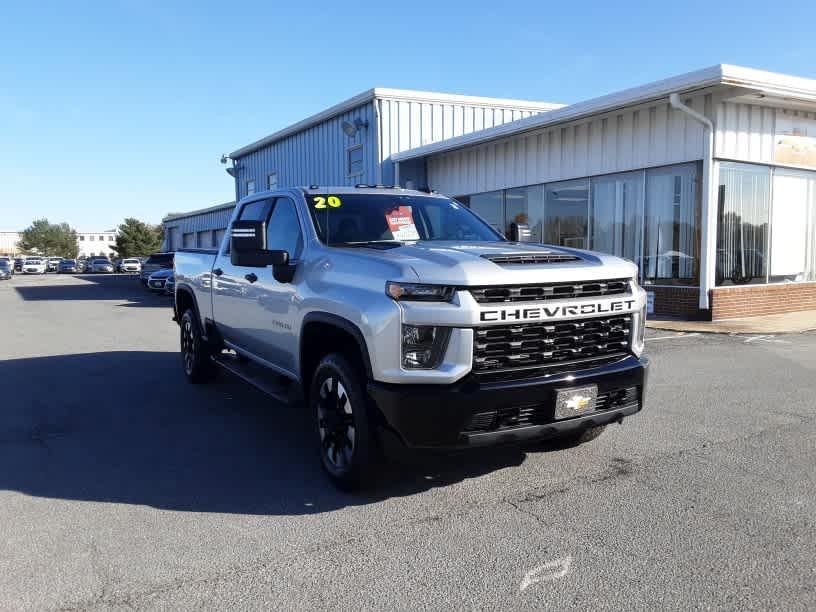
x=123, y=487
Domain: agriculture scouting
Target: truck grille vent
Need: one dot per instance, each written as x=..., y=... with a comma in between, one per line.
x=531, y=258
x=561, y=346
x=555, y=291
x=542, y=413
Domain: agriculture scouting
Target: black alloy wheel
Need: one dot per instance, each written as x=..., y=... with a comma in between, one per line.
x=340, y=406
x=195, y=354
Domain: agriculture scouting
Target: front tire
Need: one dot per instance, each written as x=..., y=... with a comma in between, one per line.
x=195, y=354
x=338, y=402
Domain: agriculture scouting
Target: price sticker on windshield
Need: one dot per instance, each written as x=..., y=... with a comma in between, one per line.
x=324, y=202
x=401, y=223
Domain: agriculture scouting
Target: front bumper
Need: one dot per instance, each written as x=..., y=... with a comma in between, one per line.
x=459, y=415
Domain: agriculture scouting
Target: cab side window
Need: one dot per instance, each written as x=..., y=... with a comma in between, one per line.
x=283, y=230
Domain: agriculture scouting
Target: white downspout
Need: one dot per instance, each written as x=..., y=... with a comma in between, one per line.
x=708, y=214
x=378, y=147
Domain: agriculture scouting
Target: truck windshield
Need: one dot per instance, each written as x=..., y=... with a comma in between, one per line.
x=349, y=219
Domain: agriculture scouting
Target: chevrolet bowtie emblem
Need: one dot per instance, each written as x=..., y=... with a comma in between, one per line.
x=578, y=402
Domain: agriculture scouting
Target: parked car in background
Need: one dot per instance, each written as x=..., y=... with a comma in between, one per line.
x=157, y=261
x=158, y=280
x=18, y=264
x=34, y=265
x=100, y=264
x=129, y=265
x=52, y=264
x=6, y=269
x=68, y=266
x=9, y=262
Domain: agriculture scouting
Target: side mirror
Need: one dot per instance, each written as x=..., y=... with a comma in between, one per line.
x=248, y=250
x=520, y=232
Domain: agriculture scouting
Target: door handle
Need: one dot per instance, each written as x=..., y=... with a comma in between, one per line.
x=251, y=277
x=218, y=271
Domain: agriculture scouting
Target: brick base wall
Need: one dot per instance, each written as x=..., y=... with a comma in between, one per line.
x=676, y=301
x=732, y=302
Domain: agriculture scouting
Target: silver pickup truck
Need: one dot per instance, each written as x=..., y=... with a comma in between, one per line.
x=401, y=316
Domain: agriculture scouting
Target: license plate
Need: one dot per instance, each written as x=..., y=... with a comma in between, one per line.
x=575, y=401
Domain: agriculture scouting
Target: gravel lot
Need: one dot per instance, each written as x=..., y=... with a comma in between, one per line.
x=121, y=486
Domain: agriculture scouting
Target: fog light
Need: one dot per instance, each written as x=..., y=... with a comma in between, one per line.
x=423, y=346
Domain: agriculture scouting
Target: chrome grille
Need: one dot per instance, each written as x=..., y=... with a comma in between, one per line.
x=531, y=258
x=563, y=345
x=550, y=291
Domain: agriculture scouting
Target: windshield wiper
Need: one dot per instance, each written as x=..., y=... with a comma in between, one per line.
x=374, y=244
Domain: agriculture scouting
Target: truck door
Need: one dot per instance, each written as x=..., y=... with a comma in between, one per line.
x=273, y=305
x=231, y=295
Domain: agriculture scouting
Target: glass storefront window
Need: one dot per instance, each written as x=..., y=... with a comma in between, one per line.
x=566, y=212
x=489, y=206
x=793, y=227
x=742, y=224
x=616, y=215
x=524, y=205
x=671, y=237
x=647, y=216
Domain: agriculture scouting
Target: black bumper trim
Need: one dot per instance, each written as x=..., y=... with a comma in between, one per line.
x=436, y=416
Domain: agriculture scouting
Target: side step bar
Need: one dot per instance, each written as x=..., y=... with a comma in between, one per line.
x=274, y=385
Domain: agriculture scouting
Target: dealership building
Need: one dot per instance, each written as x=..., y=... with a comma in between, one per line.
x=706, y=180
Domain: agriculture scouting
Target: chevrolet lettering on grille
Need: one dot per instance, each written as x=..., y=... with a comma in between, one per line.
x=557, y=311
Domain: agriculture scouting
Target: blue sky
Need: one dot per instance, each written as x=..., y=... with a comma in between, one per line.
x=122, y=108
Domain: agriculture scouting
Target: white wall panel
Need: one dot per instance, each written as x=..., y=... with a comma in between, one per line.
x=642, y=137
x=745, y=132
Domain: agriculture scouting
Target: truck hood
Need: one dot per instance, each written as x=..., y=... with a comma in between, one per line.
x=484, y=263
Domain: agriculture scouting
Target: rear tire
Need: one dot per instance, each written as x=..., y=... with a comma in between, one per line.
x=196, y=357
x=338, y=403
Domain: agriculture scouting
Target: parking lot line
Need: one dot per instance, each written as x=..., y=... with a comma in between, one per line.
x=675, y=336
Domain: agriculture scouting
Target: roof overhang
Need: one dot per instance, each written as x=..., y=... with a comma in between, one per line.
x=739, y=83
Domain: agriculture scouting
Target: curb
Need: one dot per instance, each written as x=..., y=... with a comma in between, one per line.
x=689, y=330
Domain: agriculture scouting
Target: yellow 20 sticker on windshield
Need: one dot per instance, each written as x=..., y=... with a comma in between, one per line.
x=321, y=202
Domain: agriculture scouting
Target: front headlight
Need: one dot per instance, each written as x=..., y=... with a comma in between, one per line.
x=423, y=346
x=419, y=293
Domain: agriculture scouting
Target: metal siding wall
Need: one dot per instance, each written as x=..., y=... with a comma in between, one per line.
x=316, y=155
x=407, y=124
x=208, y=221
x=642, y=137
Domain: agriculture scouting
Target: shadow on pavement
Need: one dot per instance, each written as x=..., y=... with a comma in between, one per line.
x=125, y=287
x=126, y=427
